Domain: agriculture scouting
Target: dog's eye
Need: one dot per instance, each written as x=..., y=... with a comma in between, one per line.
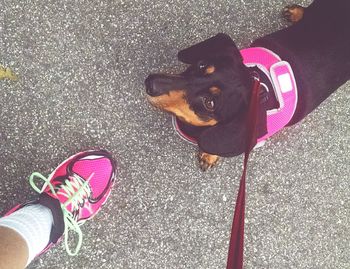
x=202, y=65
x=209, y=103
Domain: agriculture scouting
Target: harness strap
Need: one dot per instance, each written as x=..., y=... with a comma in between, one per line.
x=235, y=253
x=284, y=85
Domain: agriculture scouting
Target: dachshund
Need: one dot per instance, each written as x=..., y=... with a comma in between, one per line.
x=210, y=99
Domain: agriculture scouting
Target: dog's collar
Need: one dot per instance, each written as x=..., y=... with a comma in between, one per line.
x=283, y=81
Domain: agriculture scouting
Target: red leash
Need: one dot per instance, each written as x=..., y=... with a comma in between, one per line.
x=235, y=253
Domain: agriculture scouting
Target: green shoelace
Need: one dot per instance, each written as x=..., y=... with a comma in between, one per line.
x=75, y=189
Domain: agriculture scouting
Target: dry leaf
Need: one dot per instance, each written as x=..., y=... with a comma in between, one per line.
x=6, y=73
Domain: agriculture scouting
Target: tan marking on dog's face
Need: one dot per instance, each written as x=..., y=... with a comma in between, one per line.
x=215, y=90
x=210, y=69
x=175, y=102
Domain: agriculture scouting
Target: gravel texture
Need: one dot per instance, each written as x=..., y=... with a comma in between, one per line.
x=81, y=67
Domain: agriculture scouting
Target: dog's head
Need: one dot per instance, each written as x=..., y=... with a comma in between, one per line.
x=213, y=91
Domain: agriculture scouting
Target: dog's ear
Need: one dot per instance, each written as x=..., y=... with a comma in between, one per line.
x=226, y=140
x=221, y=43
x=229, y=139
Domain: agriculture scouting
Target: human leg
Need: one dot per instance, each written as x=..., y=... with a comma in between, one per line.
x=13, y=249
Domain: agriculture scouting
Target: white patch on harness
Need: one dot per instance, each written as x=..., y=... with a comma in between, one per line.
x=285, y=82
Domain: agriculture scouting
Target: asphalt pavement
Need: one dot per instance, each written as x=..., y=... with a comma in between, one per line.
x=81, y=67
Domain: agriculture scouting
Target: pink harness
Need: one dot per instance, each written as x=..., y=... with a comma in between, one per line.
x=282, y=78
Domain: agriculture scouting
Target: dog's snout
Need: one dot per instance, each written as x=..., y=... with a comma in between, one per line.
x=158, y=84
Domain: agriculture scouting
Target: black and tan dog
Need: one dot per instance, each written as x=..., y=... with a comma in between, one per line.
x=211, y=97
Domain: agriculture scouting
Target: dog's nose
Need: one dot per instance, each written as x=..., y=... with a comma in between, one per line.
x=158, y=84
x=149, y=83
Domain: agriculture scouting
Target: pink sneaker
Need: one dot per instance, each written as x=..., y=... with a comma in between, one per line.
x=75, y=192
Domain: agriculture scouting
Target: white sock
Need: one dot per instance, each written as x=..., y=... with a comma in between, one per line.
x=33, y=223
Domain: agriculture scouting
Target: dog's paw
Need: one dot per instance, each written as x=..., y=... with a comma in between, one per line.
x=293, y=13
x=207, y=160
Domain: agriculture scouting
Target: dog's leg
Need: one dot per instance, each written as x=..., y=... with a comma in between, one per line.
x=293, y=13
x=207, y=160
